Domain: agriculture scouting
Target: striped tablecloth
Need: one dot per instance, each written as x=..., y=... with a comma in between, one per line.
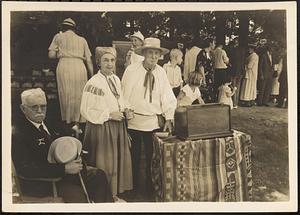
x=216, y=169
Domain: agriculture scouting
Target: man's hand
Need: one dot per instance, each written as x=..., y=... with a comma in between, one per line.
x=73, y=167
x=117, y=116
x=168, y=126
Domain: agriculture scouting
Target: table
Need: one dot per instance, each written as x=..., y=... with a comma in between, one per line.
x=217, y=169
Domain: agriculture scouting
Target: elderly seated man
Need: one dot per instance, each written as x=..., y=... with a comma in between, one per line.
x=30, y=145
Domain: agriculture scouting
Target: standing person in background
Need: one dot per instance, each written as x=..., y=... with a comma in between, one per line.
x=137, y=40
x=204, y=65
x=283, y=87
x=74, y=56
x=173, y=71
x=237, y=57
x=249, y=82
x=265, y=76
x=190, y=60
x=147, y=91
x=106, y=138
x=275, y=82
x=226, y=93
x=220, y=62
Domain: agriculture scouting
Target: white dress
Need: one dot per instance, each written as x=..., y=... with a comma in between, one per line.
x=72, y=50
x=248, y=88
x=275, y=82
x=223, y=97
x=190, y=95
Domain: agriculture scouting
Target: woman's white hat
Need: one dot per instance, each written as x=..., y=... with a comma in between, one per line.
x=64, y=150
x=69, y=22
x=138, y=35
x=151, y=43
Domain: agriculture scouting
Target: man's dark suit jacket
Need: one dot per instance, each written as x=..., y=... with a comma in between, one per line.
x=29, y=154
x=265, y=68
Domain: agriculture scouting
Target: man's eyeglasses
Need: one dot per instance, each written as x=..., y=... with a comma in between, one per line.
x=37, y=107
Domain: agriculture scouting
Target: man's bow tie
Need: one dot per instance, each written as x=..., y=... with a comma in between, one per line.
x=41, y=141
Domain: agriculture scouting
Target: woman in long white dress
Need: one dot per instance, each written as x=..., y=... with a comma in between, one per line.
x=249, y=82
x=73, y=52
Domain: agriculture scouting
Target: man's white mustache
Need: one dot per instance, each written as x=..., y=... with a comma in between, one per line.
x=39, y=115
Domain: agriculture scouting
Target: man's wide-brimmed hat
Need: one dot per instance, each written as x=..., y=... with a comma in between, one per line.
x=151, y=43
x=69, y=22
x=64, y=150
x=138, y=35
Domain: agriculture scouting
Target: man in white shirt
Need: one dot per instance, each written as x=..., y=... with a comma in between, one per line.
x=148, y=93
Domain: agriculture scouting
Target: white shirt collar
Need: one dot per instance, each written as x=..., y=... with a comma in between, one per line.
x=108, y=76
x=37, y=125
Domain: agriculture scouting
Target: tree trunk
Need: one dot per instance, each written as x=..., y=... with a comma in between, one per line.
x=244, y=28
x=220, y=27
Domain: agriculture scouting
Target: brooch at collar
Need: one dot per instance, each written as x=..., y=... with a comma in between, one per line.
x=41, y=141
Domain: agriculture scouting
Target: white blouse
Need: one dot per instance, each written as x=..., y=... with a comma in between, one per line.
x=98, y=101
x=135, y=58
x=163, y=99
x=173, y=74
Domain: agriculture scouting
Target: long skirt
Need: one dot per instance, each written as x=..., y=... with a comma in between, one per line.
x=71, y=79
x=275, y=86
x=248, y=89
x=108, y=149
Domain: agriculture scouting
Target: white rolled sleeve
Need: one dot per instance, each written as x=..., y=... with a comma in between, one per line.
x=93, y=108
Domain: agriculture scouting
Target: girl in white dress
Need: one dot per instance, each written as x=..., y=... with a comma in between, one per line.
x=190, y=92
x=225, y=92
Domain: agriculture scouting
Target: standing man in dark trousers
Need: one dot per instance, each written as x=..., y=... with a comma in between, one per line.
x=265, y=76
x=148, y=93
x=220, y=61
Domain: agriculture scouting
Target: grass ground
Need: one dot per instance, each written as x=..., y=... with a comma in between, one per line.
x=268, y=127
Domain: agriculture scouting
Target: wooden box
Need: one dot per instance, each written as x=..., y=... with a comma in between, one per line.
x=203, y=121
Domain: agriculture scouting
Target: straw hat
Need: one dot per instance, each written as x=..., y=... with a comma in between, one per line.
x=69, y=22
x=151, y=43
x=64, y=150
x=138, y=35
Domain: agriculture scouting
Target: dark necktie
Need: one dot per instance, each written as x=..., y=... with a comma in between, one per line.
x=45, y=133
x=149, y=82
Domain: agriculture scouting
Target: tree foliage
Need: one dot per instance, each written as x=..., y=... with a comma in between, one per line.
x=32, y=32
